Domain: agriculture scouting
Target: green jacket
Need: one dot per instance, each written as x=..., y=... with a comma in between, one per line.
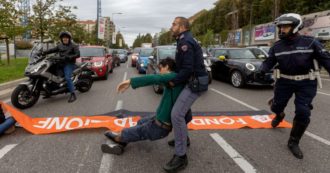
x=170, y=95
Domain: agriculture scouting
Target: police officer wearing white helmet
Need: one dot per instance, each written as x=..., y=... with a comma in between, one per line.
x=294, y=55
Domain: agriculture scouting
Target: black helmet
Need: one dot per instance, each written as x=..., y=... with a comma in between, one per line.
x=292, y=19
x=65, y=33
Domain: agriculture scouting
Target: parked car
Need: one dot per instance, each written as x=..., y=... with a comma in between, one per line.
x=159, y=53
x=239, y=66
x=135, y=56
x=121, y=54
x=260, y=52
x=115, y=58
x=100, y=59
x=143, y=59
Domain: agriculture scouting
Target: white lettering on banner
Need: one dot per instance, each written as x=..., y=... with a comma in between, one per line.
x=78, y=120
x=198, y=122
x=58, y=124
x=262, y=118
x=223, y=121
x=43, y=123
x=123, y=121
x=219, y=121
x=214, y=121
x=240, y=120
x=87, y=122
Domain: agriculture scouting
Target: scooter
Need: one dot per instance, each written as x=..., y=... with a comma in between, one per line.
x=45, y=80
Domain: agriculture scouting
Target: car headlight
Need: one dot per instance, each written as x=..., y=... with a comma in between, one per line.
x=141, y=65
x=98, y=63
x=250, y=66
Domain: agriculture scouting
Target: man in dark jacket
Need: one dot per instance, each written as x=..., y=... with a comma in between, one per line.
x=295, y=55
x=190, y=64
x=69, y=51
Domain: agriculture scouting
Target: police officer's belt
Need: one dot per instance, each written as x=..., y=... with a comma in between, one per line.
x=295, y=77
x=163, y=125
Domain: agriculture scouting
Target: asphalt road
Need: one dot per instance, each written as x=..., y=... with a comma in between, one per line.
x=243, y=150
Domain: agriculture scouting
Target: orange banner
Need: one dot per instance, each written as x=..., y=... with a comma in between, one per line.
x=207, y=121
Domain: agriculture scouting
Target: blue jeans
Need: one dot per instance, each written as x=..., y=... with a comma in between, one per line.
x=304, y=90
x=146, y=128
x=7, y=124
x=68, y=69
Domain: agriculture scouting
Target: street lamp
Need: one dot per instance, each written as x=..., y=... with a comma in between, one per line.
x=113, y=21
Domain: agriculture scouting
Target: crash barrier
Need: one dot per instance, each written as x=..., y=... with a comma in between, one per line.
x=120, y=119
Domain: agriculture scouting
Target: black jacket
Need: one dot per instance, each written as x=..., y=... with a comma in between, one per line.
x=295, y=57
x=68, y=52
x=188, y=58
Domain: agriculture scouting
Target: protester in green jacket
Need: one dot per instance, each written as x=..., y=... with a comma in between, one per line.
x=152, y=128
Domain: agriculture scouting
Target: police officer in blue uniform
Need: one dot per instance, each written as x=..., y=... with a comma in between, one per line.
x=189, y=63
x=294, y=55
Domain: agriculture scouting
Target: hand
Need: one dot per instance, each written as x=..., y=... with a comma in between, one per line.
x=122, y=87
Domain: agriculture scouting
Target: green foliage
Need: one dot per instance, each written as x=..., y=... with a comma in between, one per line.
x=23, y=45
x=221, y=17
x=13, y=71
x=142, y=39
x=208, y=38
x=166, y=38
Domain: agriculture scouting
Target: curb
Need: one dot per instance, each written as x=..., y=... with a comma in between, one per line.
x=8, y=87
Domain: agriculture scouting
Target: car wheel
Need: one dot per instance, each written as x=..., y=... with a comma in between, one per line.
x=158, y=89
x=237, y=79
x=105, y=77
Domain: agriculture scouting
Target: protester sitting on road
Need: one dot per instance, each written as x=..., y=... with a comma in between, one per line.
x=152, y=128
x=7, y=125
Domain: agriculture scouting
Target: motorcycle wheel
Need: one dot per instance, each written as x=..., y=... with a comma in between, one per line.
x=85, y=85
x=22, y=98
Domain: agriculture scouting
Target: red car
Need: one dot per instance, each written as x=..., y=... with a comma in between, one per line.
x=100, y=59
x=135, y=56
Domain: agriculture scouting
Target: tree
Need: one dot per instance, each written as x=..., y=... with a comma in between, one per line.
x=208, y=38
x=43, y=17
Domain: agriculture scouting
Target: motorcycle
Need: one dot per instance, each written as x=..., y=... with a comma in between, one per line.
x=45, y=79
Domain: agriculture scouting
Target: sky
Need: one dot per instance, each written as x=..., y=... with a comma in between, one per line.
x=140, y=16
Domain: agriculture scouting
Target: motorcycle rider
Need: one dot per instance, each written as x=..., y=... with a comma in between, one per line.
x=69, y=51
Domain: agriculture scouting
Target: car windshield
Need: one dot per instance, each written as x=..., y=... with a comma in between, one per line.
x=166, y=52
x=266, y=49
x=241, y=54
x=146, y=52
x=221, y=52
x=136, y=50
x=91, y=51
x=120, y=51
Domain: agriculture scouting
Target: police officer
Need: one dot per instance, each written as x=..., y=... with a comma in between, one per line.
x=189, y=61
x=69, y=51
x=294, y=55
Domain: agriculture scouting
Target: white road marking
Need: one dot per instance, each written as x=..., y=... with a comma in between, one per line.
x=125, y=76
x=238, y=159
x=107, y=159
x=6, y=149
x=127, y=65
x=320, y=139
x=236, y=100
x=323, y=93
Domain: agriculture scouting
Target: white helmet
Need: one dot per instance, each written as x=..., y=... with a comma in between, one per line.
x=292, y=19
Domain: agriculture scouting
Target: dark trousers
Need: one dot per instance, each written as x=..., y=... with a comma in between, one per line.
x=304, y=91
x=146, y=128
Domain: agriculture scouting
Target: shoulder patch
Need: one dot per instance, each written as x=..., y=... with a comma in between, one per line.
x=184, y=48
x=182, y=36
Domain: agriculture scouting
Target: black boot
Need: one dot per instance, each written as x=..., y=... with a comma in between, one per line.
x=176, y=163
x=72, y=98
x=297, y=131
x=172, y=142
x=278, y=119
x=116, y=147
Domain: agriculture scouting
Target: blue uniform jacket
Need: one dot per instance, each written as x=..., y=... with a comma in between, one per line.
x=188, y=58
x=295, y=57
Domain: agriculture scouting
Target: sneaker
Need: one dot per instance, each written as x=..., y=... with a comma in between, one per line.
x=177, y=163
x=112, y=136
x=112, y=148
